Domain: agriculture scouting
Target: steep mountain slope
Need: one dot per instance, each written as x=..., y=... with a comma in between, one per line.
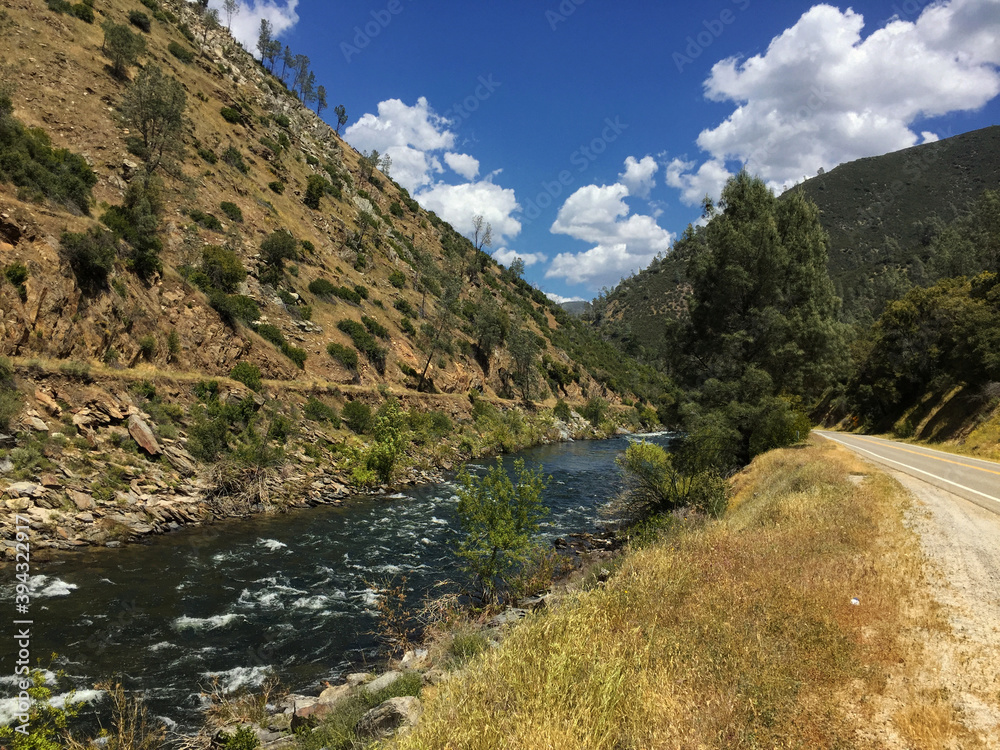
x=367, y=234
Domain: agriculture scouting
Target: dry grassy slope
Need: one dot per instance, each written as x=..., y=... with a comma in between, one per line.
x=63, y=85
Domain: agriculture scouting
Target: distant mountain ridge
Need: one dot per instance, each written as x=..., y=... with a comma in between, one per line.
x=881, y=213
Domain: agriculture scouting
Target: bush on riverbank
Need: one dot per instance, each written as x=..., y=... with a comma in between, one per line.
x=734, y=633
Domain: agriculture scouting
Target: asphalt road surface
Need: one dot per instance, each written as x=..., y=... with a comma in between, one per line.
x=972, y=478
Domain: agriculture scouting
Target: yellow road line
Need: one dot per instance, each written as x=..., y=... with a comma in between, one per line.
x=889, y=444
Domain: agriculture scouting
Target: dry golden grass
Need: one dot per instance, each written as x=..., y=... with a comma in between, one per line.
x=737, y=634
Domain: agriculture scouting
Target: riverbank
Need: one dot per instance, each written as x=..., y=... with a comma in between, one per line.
x=107, y=463
x=789, y=621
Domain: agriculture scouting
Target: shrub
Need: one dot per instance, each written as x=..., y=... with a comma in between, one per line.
x=595, y=410
x=233, y=308
x=397, y=279
x=208, y=221
x=28, y=160
x=278, y=247
x=270, y=333
x=365, y=343
x=91, y=255
x=244, y=738
x=231, y=210
x=140, y=20
x=562, y=411
x=277, y=186
x=390, y=440
x=181, y=52
x=248, y=374
x=321, y=287
x=343, y=354
x=406, y=326
x=122, y=47
x=282, y=120
x=308, y=247
x=405, y=307
x=316, y=188
x=655, y=484
x=231, y=115
x=297, y=355
x=234, y=158
x=357, y=415
x=207, y=154
x=395, y=209
x=374, y=327
x=222, y=267
x=499, y=519
x=147, y=346
x=318, y=411
x=361, y=290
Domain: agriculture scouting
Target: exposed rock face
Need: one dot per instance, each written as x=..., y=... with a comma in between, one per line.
x=387, y=718
x=141, y=433
x=381, y=683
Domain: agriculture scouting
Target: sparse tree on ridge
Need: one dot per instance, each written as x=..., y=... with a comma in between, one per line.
x=341, y=113
x=386, y=164
x=287, y=61
x=264, y=39
x=231, y=8
x=481, y=237
x=309, y=89
x=320, y=99
x=301, y=73
x=210, y=22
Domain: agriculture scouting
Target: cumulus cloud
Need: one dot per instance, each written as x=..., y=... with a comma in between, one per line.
x=463, y=164
x=822, y=95
x=708, y=179
x=459, y=204
x=409, y=135
x=506, y=257
x=246, y=23
x=420, y=143
x=638, y=176
x=622, y=243
x=559, y=299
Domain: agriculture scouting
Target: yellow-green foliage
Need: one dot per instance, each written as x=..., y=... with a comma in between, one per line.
x=740, y=633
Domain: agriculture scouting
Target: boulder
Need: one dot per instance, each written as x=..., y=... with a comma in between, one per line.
x=144, y=436
x=36, y=424
x=359, y=678
x=25, y=489
x=506, y=617
x=387, y=718
x=81, y=500
x=48, y=403
x=382, y=682
x=334, y=695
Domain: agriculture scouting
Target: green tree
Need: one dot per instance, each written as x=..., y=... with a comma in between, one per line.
x=91, y=255
x=316, y=188
x=230, y=8
x=524, y=349
x=761, y=292
x=500, y=519
x=389, y=431
x=321, y=100
x=121, y=46
x=278, y=247
x=223, y=268
x=153, y=108
x=491, y=326
x=655, y=483
x=341, y=113
x=435, y=334
x=264, y=36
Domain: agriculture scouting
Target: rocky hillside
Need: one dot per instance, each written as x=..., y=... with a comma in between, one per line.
x=210, y=335
x=366, y=238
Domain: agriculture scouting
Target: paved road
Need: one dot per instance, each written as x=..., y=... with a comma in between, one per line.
x=972, y=478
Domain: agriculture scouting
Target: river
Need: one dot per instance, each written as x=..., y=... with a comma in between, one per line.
x=289, y=595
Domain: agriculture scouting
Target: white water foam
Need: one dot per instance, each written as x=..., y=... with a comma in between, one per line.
x=271, y=544
x=43, y=586
x=10, y=707
x=238, y=677
x=310, y=602
x=161, y=645
x=203, y=623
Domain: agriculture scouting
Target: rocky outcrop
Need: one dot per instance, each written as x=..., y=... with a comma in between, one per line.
x=389, y=717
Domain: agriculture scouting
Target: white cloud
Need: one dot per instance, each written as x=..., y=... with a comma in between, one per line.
x=459, y=204
x=708, y=179
x=822, y=95
x=408, y=135
x=638, y=176
x=463, y=164
x=506, y=257
x=246, y=23
x=622, y=243
x=559, y=299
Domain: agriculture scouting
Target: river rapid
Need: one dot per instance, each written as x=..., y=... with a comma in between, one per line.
x=289, y=595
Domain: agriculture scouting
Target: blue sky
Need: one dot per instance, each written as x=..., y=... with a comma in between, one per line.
x=587, y=132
